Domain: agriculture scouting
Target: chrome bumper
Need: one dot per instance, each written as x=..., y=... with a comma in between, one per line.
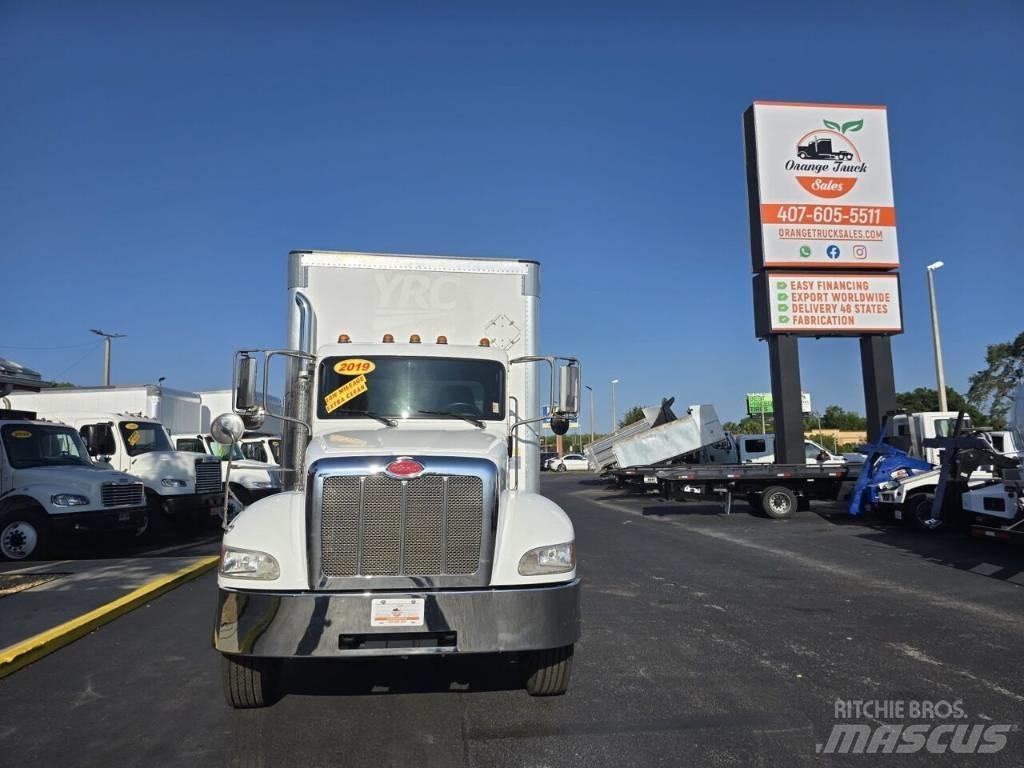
x=292, y=624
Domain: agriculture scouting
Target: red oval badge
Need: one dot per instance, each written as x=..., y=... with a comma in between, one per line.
x=404, y=467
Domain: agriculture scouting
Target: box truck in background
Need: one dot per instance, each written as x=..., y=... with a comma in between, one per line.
x=412, y=523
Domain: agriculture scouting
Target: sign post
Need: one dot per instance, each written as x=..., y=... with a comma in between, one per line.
x=823, y=244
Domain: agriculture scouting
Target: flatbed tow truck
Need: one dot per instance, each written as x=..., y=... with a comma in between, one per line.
x=776, y=490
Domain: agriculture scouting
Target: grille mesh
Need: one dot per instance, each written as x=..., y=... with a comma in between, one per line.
x=207, y=476
x=425, y=526
x=122, y=494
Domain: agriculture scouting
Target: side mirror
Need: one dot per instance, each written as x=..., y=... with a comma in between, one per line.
x=245, y=388
x=99, y=439
x=568, y=390
x=227, y=428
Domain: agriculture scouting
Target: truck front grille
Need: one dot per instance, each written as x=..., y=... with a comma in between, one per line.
x=123, y=495
x=207, y=476
x=376, y=525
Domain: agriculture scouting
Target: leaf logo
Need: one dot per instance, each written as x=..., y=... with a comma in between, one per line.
x=852, y=126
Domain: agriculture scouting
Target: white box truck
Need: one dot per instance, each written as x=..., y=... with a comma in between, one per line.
x=413, y=524
x=123, y=429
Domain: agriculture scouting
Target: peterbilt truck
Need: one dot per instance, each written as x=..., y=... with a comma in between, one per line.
x=411, y=521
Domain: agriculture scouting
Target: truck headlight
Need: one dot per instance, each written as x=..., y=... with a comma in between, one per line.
x=259, y=484
x=173, y=482
x=248, y=564
x=555, y=558
x=68, y=500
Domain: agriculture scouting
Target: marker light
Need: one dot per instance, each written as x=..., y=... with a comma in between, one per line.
x=414, y=339
x=485, y=342
x=442, y=339
x=403, y=466
x=343, y=338
x=388, y=339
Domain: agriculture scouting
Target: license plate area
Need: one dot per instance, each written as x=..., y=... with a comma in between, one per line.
x=650, y=480
x=389, y=640
x=396, y=612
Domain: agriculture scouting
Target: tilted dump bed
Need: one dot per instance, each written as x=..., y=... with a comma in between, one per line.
x=601, y=455
x=698, y=428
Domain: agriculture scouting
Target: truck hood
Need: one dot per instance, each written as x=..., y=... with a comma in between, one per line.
x=398, y=441
x=156, y=465
x=72, y=479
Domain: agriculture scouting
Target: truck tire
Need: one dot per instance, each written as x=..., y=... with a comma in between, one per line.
x=549, y=671
x=250, y=681
x=779, y=502
x=24, y=532
x=917, y=509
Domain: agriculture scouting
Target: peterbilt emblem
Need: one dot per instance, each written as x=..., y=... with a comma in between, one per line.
x=404, y=468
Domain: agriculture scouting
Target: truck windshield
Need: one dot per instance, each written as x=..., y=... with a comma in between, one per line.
x=43, y=445
x=143, y=437
x=222, y=451
x=404, y=387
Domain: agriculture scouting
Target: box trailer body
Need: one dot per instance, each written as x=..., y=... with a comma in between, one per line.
x=177, y=410
x=411, y=521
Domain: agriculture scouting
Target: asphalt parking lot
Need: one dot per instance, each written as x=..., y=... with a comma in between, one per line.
x=708, y=640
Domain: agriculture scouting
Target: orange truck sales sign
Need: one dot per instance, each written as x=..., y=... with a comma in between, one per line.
x=827, y=303
x=820, y=186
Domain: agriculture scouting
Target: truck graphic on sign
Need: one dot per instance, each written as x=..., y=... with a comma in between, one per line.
x=821, y=149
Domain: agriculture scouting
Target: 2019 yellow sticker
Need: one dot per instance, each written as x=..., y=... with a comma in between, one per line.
x=344, y=393
x=21, y=434
x=133, y=438
x=354, y=366
x=131, y=425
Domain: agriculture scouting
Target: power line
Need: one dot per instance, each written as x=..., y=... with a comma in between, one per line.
x=68, y=346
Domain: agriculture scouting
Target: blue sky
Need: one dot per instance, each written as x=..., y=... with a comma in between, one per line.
x=158, y=165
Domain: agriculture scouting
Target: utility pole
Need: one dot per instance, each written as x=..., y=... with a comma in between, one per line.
x=591, y=413
x=614, y=413
x=106, y=352
x=940, y=374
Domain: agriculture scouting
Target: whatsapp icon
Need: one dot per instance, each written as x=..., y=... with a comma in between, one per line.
x=805, y=251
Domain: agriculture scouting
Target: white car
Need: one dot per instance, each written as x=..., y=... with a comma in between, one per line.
x=571, y=461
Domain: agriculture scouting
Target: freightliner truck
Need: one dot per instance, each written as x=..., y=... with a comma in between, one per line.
x=411, y=522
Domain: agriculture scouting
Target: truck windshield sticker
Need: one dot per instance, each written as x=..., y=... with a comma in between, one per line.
x=354, y=366
x=345, y=392
x=133, y=438
x=21, y=434
x=131, y=425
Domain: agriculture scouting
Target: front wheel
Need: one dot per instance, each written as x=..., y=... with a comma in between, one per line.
x=549, y=671
x=250, y=681
x=24, y=534
x=561, y=467
x=918, y=510
x=779, y=502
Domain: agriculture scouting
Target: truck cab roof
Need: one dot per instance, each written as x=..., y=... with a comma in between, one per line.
x=407, y=349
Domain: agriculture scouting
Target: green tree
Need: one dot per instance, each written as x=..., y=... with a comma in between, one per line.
x=991, y=389
x=835, y=417
x=633, y=415
x=927, y=399
x=749, y=425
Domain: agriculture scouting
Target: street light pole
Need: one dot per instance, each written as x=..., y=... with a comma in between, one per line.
x=106, y=352
x=591, y=412
x=614, y=412
x=940, y=374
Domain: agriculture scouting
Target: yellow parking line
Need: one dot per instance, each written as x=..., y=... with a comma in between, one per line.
x=21, y=654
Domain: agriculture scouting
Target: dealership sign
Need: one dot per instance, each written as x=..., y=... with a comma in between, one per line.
x=827, y=303
x=759, y=403
x=820, y=186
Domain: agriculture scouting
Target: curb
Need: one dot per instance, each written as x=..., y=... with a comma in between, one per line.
x=19, y=655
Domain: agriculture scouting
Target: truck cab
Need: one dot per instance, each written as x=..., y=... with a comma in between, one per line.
x=264, y=448
x=186, y=487
x=411, y=522
x=248, y=480
x=49, y=486
x=760, y=449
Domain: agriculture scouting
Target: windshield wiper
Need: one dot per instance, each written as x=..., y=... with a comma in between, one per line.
x=371, y=415
x=456, y=415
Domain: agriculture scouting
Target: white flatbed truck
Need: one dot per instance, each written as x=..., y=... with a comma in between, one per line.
x=411, y=522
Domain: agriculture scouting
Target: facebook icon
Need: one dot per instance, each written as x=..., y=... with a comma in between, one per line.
x=832, y=251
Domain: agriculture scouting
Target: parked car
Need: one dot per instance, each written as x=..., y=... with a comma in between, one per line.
x=571, y=461
x=545, y=458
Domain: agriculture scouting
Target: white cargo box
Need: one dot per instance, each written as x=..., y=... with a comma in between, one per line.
x=697, y=428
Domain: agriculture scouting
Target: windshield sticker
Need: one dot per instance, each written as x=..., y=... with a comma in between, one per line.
x=495, y=407
x=133, y=438
x=21, y=434
x=344, y=393
x=354, y=366
x=131, y=425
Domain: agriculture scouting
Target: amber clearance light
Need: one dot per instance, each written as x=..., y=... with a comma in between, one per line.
x=404, y=466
